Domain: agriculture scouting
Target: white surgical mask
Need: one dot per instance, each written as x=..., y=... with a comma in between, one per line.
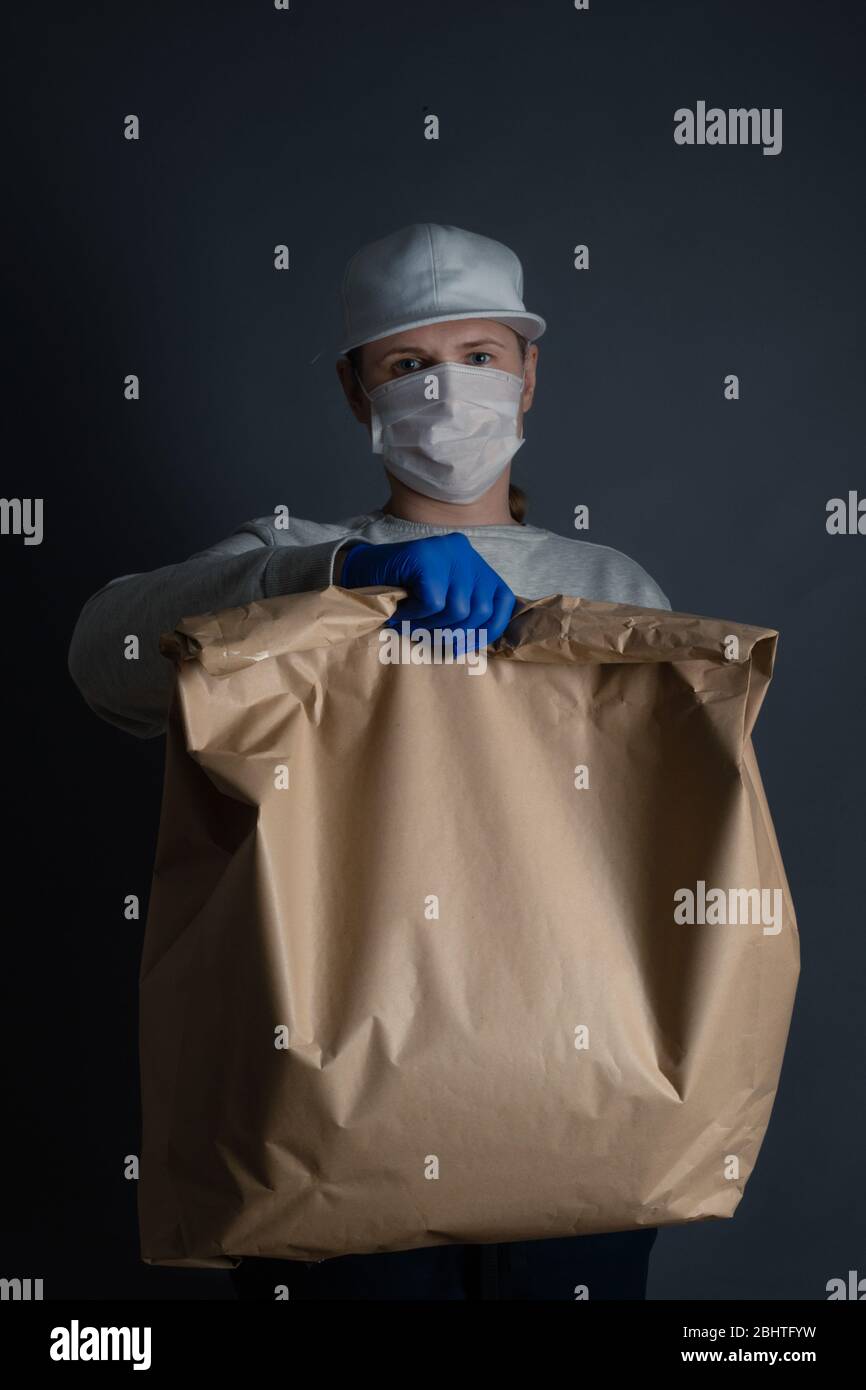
x=449, y=431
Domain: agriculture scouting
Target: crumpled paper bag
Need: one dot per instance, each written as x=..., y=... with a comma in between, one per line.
x=441, y=954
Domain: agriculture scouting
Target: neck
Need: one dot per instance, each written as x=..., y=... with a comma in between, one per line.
x=491, y=509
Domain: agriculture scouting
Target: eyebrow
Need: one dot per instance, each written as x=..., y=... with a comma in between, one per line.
x=405, y=348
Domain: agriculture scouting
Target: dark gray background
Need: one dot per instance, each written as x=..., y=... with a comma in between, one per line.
x=156, y=258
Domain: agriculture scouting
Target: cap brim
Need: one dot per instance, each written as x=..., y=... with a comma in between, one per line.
x=529, y=326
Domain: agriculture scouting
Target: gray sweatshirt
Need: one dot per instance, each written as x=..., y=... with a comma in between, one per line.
x=260, y=560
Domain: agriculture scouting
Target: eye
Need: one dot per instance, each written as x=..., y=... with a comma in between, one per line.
x=480, y=354
x=409, y=364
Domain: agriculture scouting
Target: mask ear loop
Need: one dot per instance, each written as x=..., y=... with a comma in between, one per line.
x=375, y=422
x=522, y=435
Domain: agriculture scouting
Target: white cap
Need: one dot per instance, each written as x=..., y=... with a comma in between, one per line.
x=427, y=273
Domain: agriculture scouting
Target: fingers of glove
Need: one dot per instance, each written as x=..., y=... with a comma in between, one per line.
x=503, y=606
x=466, y=617
x=450, y=585
x=427, y=595
x=471, y=585
x=476, y=613
x=457, y=608
x=492, y=607
x=477, y=600
x=437, y=605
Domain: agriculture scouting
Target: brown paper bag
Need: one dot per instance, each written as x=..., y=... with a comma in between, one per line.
x=418, y=966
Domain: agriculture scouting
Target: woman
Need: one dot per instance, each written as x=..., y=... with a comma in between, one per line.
x=439, y=365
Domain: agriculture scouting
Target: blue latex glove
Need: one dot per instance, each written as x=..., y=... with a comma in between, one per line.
x=449, y=584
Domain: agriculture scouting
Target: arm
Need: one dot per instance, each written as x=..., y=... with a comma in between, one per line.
x=134, y=694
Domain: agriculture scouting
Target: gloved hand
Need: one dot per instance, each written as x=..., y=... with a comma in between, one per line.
x=449, y=584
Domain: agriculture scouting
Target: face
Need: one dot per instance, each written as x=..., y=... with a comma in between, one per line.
x=477, y=342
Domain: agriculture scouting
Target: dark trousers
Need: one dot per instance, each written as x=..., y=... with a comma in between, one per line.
x=610, y=1266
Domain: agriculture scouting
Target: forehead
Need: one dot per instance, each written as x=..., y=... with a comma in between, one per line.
x=455, y=335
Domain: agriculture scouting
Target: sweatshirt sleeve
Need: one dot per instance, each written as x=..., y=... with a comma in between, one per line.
x=134, y=693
